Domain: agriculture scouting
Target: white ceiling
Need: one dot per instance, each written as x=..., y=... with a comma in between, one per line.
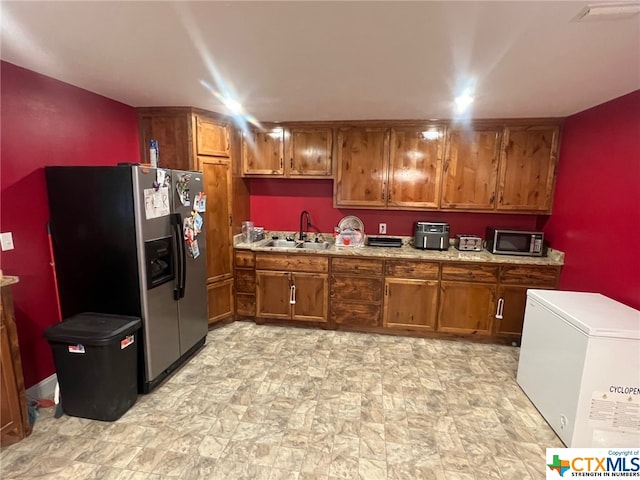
x=331, y=60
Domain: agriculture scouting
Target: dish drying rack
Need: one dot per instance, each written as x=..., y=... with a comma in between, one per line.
x=350, y=232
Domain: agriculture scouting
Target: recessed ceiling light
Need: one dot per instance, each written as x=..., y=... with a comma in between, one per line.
x=608, y=11
x=462, y=103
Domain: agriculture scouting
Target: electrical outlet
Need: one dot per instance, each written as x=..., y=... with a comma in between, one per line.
x=6, y=241
x=382, y=228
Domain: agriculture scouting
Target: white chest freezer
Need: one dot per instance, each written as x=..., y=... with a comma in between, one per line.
x=580, y=366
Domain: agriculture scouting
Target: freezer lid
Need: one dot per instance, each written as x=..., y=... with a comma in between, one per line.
x=593, y=313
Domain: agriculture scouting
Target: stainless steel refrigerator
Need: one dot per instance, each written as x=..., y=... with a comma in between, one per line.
x=130, y=240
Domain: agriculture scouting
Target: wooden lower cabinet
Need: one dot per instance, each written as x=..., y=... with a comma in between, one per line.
x=292, y=296
x=14, y=419
x=310, y=297
x=292, y=287
x=245, y=284
x=510, y=310
x=220, y=300
x=466, y=308
x=273, y=294
x=467, y=298
x=410, y=304
x=515, y=280
x=483, y=300
x=411, y=295
x=356, y=292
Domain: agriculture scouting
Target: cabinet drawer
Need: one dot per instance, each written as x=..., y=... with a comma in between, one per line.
x=245, y=281
x=470, y=272
x=411, y=269
x=292, y=262
x=356, y=314
x=356, y=288
x=245, y=259
x=356, y=266
x=246, y=305
x=529, y=275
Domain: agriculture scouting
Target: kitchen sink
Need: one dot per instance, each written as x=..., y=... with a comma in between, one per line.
x=292, y=244
x=315, y=245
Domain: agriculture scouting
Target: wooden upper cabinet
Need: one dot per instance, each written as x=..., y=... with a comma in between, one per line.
x=415, y=167
x=304, y=152
x=263, y=152
x=173, y=133
x=471, y=169
x=211, y=138
x=309, y=152
x=528, y=168
x=362, y=167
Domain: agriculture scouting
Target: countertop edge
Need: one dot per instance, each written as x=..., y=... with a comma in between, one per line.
x=553, y=258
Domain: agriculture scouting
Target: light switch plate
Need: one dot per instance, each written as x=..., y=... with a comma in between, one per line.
x=6, y=241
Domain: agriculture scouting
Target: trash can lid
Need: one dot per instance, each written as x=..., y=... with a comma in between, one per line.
x=91, y=328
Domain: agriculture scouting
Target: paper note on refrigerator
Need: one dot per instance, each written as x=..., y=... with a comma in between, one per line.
x=156, y=202
x=182, y=189
x=200, y=202
x=193, y=249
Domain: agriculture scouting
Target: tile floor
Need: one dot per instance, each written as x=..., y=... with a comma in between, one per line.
x=267, y=402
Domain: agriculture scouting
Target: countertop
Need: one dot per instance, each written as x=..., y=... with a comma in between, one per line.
x=7, y=280
x=553, y=258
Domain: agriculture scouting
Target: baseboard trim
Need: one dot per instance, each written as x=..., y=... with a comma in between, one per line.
x=44, y=389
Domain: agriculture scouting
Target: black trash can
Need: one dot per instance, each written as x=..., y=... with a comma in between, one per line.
x=96, y=359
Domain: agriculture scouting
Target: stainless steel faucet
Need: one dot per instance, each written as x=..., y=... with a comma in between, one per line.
x=302, y=235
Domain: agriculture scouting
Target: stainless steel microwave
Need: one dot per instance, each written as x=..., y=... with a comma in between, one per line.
x=514, y=242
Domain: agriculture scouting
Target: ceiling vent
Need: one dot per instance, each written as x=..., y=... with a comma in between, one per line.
x=608, y=11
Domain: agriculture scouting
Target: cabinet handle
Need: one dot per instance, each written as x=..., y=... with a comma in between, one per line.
x=386, y=290
x=230, y=221
x=292, y=295
x=500, y=308
x=281, y=162
x=291, y=162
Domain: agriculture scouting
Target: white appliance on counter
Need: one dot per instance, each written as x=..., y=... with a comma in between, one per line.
x=580, y=366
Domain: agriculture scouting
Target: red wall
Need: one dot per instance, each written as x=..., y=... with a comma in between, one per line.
x=47, y=122
x=276, y=205
x=596, y=213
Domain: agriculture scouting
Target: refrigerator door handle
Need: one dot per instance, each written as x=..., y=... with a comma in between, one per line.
x=176, y=222
x=183, y=257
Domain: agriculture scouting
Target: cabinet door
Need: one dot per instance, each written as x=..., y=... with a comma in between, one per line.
x=10, y=419
x=211, y=138
x=263, y=152
x=217, y=219
x=311, y=297
x=415, y=167
x=273, y=293
x=309, y=152
x=527, y=168
x=470, y=169
x=220, y=300
x=362, y=167
x=514, y=300
x=466, y=308
x=410, y=304
x=173, y=133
